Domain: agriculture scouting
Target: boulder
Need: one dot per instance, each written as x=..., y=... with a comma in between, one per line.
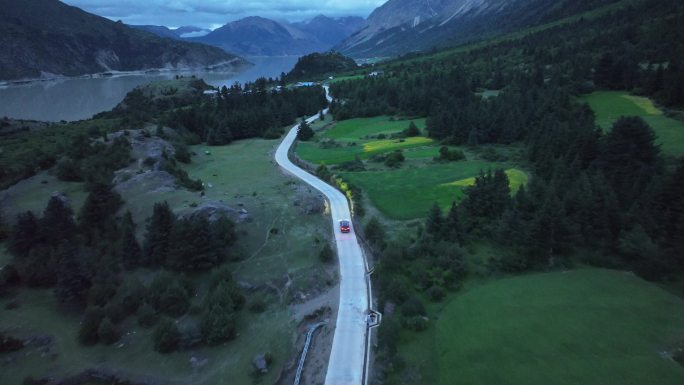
x=215, y=210
x=260, y=363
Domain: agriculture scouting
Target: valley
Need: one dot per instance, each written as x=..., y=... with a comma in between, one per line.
x=498, y=200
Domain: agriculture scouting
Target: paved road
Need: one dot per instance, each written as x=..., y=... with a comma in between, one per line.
x=347, y=358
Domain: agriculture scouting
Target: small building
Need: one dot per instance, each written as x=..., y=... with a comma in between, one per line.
x=376, y=73
x=305, y=84
x=211, y=92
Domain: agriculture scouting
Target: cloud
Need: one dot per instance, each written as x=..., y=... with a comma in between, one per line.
x=208, y=13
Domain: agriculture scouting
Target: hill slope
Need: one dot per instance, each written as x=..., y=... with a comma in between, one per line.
x=46, y=38
x=402, y=26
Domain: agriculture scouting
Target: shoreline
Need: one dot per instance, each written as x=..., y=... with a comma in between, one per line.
x=236, y=65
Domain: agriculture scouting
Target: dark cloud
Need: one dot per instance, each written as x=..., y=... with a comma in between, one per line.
x=213, y=13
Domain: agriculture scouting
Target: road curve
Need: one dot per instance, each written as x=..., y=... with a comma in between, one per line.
x=347, y=362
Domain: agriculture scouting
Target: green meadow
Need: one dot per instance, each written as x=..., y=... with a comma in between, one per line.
x=611, y=105
x=408, y=193
x=352, y=140
x=585, y=326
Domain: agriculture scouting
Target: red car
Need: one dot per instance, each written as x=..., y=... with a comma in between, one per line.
x=345, y=227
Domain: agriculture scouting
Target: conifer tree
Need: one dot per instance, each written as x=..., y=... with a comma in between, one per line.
x=25, y=235
x=157, y=238
x=304, y=132
x=129, y=251
x=434, y=224
x=57, y=224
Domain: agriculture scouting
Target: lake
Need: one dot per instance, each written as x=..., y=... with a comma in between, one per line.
x=81, y=98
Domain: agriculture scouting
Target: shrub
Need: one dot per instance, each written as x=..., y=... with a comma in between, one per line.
x=394, y=159
x=446, y=155
x=147, y=316
x=166, y=336
x=87, y=334
x=415, y=323
x=413, y=307
x=107, y=332
x=182, y=153
x=10, y=344
x=436, y=293
x=326, y=255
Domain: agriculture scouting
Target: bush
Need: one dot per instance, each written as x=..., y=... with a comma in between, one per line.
x=352, y=165
x=436, y=293
x=107, y=332
x=147, y=316
x=415, y=323
x=166, y=337
x=87, y=334
x=69, y=170
x=326, y=255
x=394, y=159
x=413, y=307
x=257, y=305
x=10, y=344
x=446, y=155
x=182, y=153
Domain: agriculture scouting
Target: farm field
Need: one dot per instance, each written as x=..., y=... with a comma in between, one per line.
x=585, y=326
x=350, y=138
x=611, y=105
x=280, y=244
x=410, y=192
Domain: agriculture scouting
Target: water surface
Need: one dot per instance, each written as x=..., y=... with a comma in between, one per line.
x=81, y=98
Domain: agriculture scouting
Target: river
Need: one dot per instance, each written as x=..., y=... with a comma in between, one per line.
x=81, y=98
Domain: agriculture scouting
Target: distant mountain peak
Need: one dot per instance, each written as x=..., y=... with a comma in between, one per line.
x=259, y=36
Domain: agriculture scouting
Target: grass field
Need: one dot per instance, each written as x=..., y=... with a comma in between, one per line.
x=610, y=105
x=356, y=129
x=241, y=175
x=351, y=136
x=408, y=193
x=586, y=326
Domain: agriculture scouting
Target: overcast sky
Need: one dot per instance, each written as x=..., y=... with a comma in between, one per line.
x=214, y=13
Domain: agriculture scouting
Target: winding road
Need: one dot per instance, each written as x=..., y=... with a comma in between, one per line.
x=348, y=358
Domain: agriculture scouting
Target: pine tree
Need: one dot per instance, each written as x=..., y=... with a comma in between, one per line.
x=218, y=321
x=96, y=219
x=72, y=282
x=57, y=224
x=304, y=132
x=434, y=224
x=25, y=235
x=452, y=226
x=129, y=251
x=158, y=235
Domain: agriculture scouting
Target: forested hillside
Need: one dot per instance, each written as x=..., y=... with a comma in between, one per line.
x=612, y=192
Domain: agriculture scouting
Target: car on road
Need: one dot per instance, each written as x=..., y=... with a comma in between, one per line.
x=345, y=226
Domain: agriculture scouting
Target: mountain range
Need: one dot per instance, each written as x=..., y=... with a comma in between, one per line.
x=47, y=38
x=402, y=26
x=258, y=36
